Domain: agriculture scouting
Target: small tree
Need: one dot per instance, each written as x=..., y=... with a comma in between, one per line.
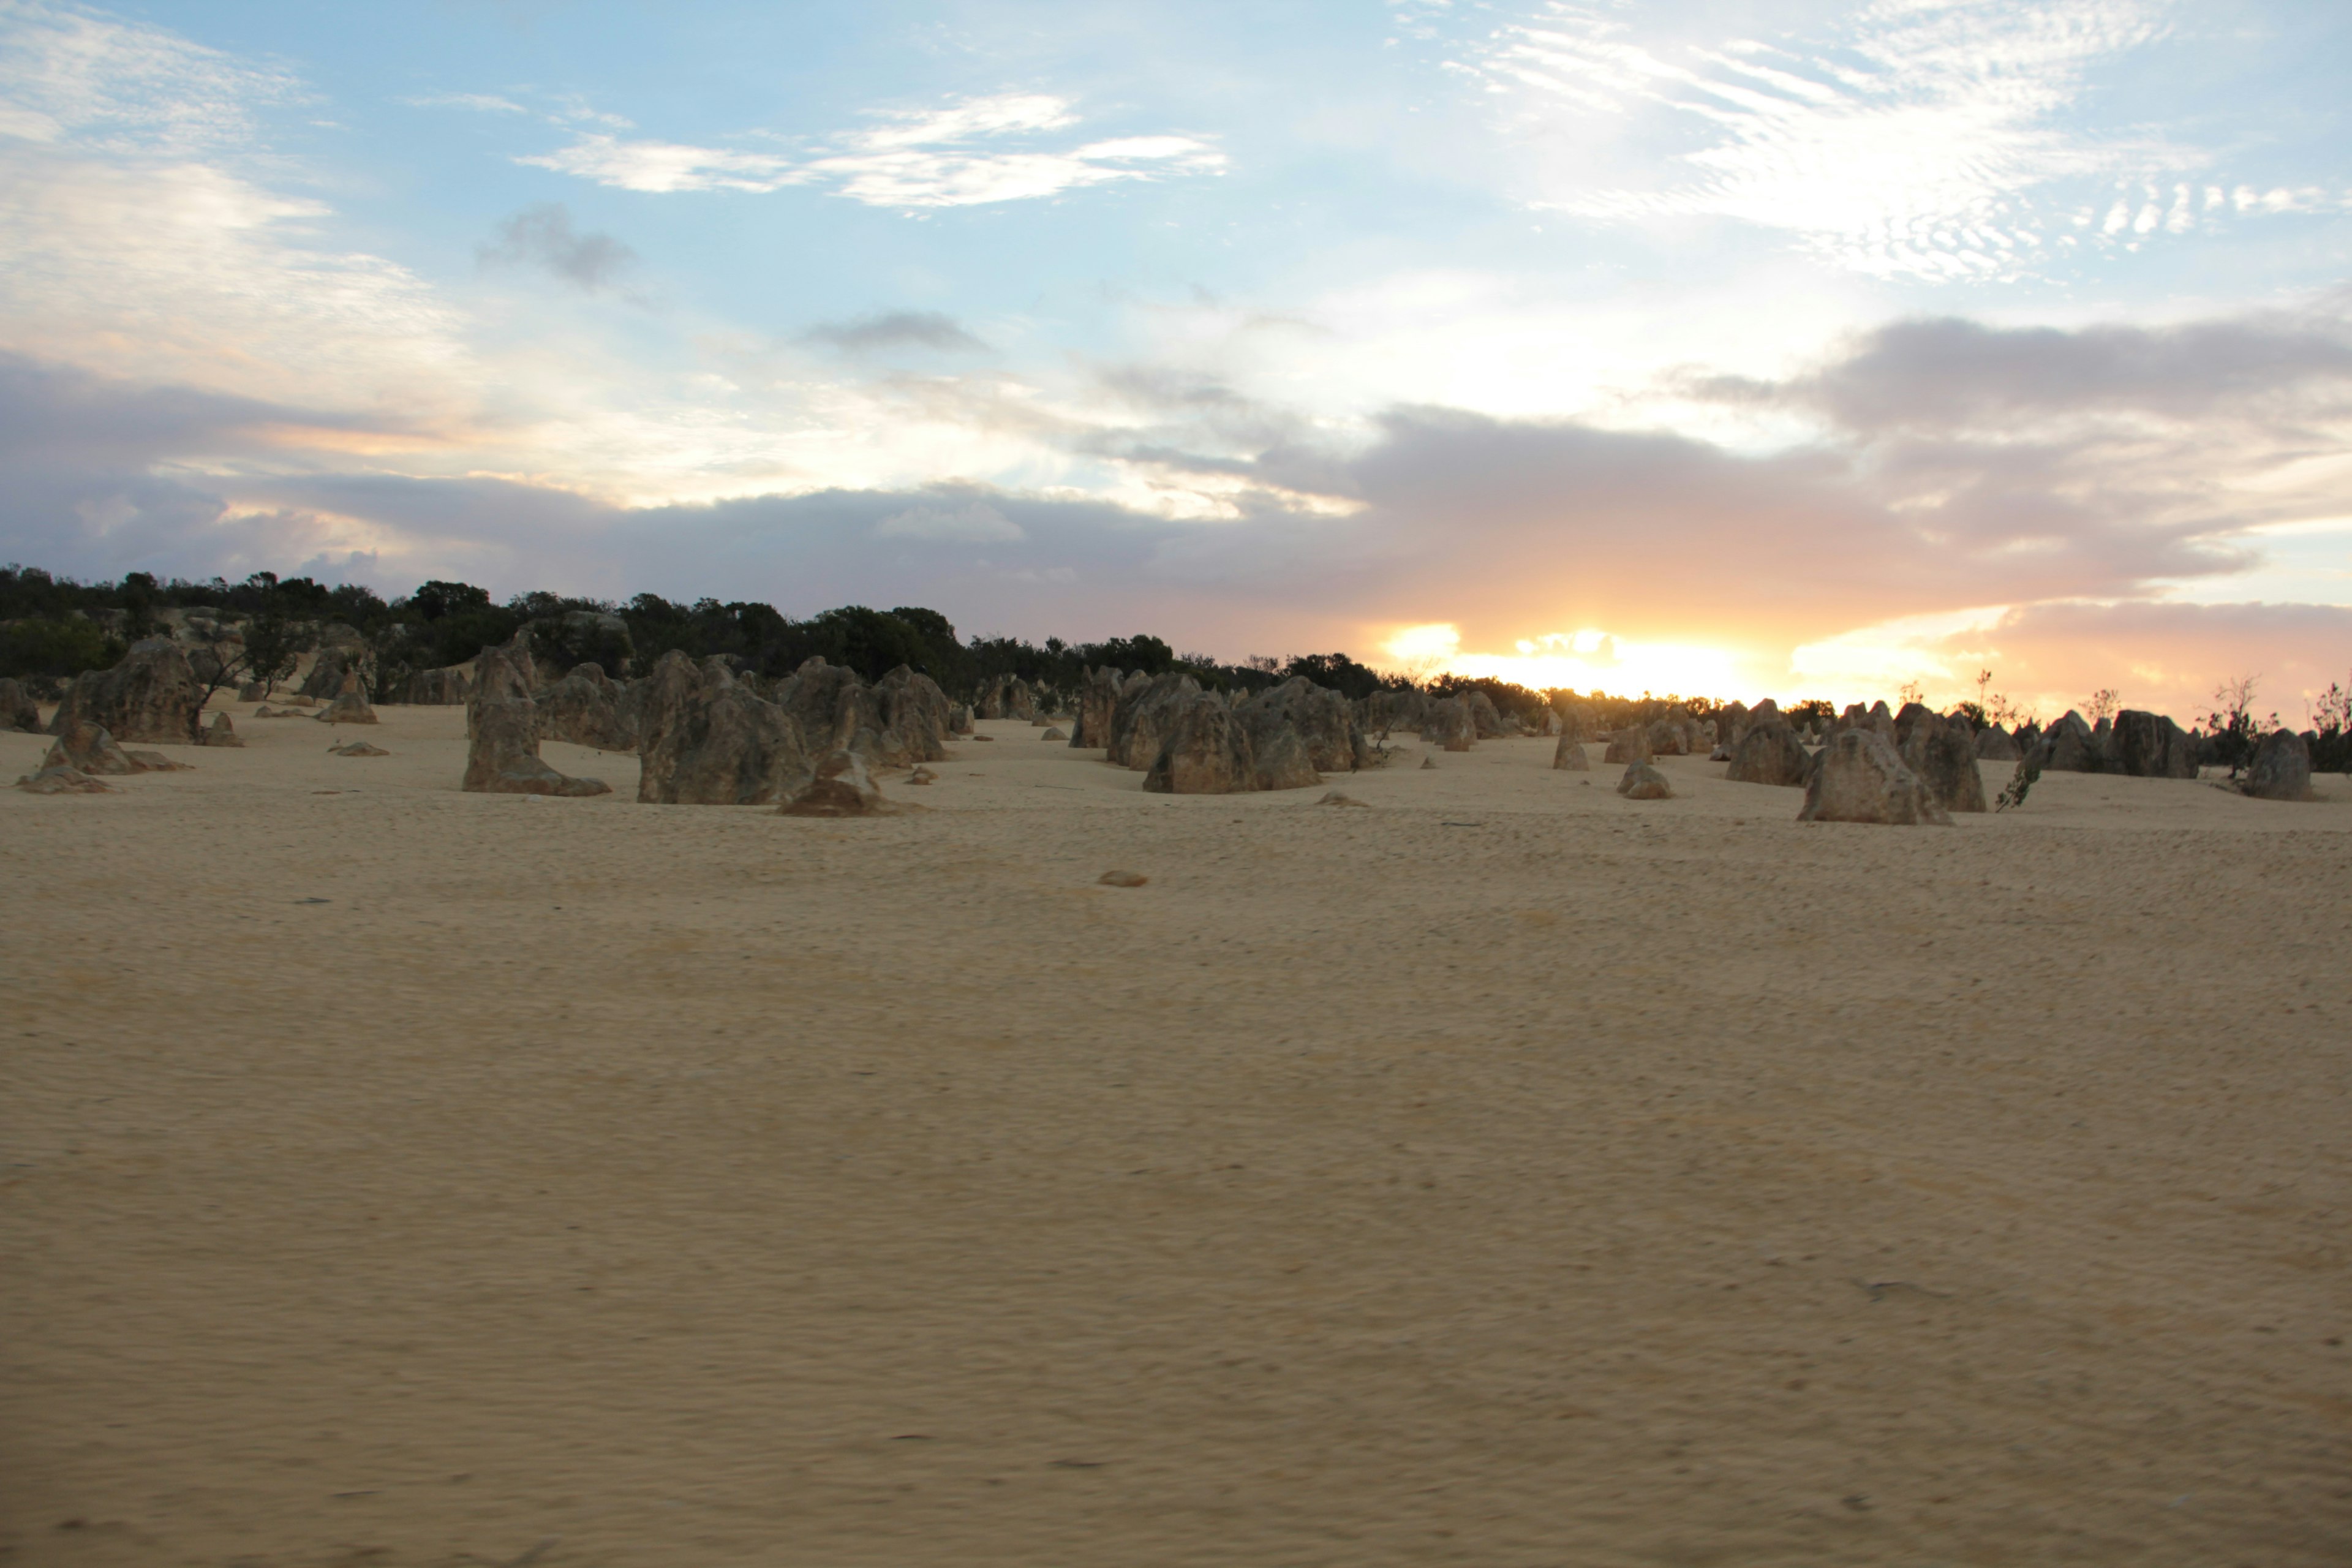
x=2331, y=717
x=2235, y=729
x=274, y=640
x=2102, y=704
x=2029, y=772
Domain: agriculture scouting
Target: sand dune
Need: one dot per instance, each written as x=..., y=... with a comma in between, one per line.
x=1507, y=1173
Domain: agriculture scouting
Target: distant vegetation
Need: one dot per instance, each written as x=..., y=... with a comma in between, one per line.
x=52, y=628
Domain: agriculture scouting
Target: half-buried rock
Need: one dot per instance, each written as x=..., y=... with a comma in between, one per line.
x=87, y=748
x=1642, y=781
x=502, y=721
x=1052, y=736
x=842, y=788
x=223, y=732
x=63, y=781
x=357, y=749
x=1861, y=778
x=350, y=706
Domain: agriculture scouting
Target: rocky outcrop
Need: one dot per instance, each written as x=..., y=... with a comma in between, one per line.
x=1098, y=700
x=840, y=787
x=2067, y=747
x=1668, y=738
x=223, y=732
x=918, y=720
x=960, y=720
x=2151, y=746
x=1995, y=744
x=1769, y=754
x=1943, y=753
x=17, y=709
x=702, y=740
x=152, y=695
x=502, y=730
x=1861, y=778
x=1730, y=723
x=1568, y=755
x=1320, y=717
x=1008, y=697
x=1450, y=724
x=2281, y=769
x=90, y=747
x=350, y=706
x=1211, y=749
x=1146, y=712
x=434, y=687
x=587, y=707
x=1485, y=720
x=1631, y=744
x=1386, y=712
x=1642, y=781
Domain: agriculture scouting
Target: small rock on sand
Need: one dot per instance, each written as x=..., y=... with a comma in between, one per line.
x=157, y=763
x=1429, y=761
x=1052, y=736
x=922, y=776
x=1122, y=880
x=1642, y=781
x=223, y=732
x=1568, y=755
x=357, y=749
x=2281, y=769
x=63, y=781
x=1337, y=797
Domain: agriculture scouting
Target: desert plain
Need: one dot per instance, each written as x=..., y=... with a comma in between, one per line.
x=1494, y=1172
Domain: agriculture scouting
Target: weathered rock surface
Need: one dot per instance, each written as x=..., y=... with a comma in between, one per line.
x=350, y=706
x=1729, y=725
x=1321, y=718
x=1052, y=736
x=1769, y=754
x=223, y=732
x=1449, y=722
x=357, y=749
x=1139, y=724
x=62, y=781
x=502, y=727
x=588, y=707
x=17, y=709
x=447, y=688
x=89, y=748
x=1860, y=778
x=1211, y=749
x=1098, y=701
x=2067, y=746
x=2151, y=746
x=1642, y=781
x=1943, y=753
x=1568, y=755
x=1995, y=744
x=2281, y=769
x=152, y=695
x=840, y=787
x=1008, y=697
x=1631, y=744
x=1485, y=720
x=705, y=740
x=918, y=720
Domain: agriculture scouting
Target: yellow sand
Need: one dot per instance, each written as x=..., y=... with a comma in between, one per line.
x=1506, y=1173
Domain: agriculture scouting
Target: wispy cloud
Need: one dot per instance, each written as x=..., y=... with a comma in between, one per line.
x=1932, y=138
x=67, y=75
x=955, y=156
x=542, y=237
x=481, y=102
x=917, y=329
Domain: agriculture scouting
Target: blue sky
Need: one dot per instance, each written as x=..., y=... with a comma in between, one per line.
x=1761, y=347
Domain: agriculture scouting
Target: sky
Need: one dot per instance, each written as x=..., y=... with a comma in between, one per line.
x=1744, y=348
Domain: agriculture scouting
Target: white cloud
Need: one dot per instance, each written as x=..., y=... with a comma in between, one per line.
x=483, y=103
x=1932, y=138
x=937, y=158
x=663, y=167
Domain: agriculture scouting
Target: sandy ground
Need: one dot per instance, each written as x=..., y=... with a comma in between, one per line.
x=1505, y=1173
